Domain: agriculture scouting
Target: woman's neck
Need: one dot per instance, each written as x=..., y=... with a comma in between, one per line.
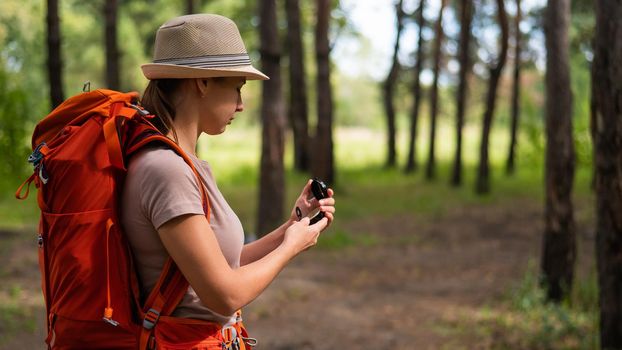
x=186, y=127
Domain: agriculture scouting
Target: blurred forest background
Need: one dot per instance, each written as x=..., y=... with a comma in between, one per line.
x=461, y=157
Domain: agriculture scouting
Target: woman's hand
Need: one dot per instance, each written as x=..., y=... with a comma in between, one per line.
x=301, y=236
x=307, y=203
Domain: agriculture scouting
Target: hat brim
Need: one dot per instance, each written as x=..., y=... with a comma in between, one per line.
x=173, y=71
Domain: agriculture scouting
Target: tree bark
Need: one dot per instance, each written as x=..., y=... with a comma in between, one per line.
x=466, y=16
x=483, y=174
x=272, y=179
x=510, y=164
x=298, y=106
x=559, y=247
x=411, y=161
x=189, y=7
x=112, y=49
x=388, y=87
x=54, y=62
x=607, y=82
x=430, y=171
x=323, y=164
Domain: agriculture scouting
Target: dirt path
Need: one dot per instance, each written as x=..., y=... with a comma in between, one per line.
x=403, y=291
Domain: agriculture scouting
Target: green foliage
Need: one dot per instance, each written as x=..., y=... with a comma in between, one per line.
x=581, y=94
x=14, y=316
x=526, y=320
x=339, y=239
x=571, y=324
x=14, y=146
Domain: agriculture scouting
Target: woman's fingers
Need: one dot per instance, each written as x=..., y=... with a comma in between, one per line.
x=330, y=218
x=328, y=209
x=305, y=190
x=327, y=201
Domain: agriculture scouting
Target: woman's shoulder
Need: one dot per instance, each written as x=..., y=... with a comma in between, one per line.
x=158, y=163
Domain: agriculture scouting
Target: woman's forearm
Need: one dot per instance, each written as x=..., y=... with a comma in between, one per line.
x=248, y=281
x=257, y=249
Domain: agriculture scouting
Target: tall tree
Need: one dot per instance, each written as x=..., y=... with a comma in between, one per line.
x=323, y=164
x=388, y=87
x=430, y=170
x=510, y=166
x=559, y=247
x=272, y=178
x=189, y=7
x=298, y=108
x=607, y=89
x=483, y=177
x=466, y=16
x=411, y=161
x=112, y=49
x=54, y=56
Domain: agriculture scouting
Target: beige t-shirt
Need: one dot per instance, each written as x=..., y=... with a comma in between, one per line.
x=159, y=187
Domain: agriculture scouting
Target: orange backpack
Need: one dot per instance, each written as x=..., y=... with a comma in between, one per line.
x=89, y=283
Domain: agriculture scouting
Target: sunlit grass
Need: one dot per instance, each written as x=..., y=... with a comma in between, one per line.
x=364, y=187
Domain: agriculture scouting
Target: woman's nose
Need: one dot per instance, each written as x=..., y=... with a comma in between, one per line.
x=240, y=106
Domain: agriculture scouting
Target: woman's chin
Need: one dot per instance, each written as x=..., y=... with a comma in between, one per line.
x=216, y=132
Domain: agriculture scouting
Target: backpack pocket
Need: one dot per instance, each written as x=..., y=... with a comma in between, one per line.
x=87, y=266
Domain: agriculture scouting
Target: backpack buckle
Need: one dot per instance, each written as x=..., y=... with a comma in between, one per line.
x=35, y=157
x=143, y=112
x=151, y=318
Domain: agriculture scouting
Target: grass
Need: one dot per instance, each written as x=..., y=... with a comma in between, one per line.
x=14, y=314
x=525, y=320
x=364, y=187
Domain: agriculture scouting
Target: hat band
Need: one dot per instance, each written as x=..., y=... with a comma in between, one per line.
x=209, y=61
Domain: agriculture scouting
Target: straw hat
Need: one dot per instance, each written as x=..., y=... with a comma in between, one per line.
x=200, y=46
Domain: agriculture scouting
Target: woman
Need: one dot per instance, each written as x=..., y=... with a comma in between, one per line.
x=200, y=65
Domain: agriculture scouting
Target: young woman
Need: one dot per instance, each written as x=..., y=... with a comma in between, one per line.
x=200, y=66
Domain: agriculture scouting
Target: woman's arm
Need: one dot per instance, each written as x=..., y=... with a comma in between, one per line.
x=191, y=243
x=257, y=249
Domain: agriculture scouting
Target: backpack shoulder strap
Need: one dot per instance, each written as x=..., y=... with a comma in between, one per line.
x=171, y=285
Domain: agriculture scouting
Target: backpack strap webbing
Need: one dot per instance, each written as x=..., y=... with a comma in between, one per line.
x=172, y=285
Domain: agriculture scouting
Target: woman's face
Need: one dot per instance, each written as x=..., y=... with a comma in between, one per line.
x=220, y=101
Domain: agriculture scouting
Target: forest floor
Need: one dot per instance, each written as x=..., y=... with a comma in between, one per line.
x=408, y=282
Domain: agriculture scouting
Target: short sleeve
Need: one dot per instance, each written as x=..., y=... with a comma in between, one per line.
x=167, y=187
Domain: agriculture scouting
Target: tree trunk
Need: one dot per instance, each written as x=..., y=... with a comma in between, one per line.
x=607, y=82
x=189, y=7
x=559, y=247
x=323, y=164
x=430, y=171
x=54, y=57
x=272, y=179
x=483, y=176
x=112, y=49
x=510, y=166
x=388, y=88
x=298, y=109
x=411, y=161
x=466, y=15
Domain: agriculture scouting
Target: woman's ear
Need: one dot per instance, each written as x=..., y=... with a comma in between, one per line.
x=201, y=85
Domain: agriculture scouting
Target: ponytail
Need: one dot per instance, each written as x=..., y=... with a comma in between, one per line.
x=158, y=100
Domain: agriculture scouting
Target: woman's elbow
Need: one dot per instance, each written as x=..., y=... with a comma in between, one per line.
x=224, y=305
